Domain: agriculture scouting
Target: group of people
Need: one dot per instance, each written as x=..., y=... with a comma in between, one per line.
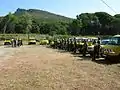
x=74, y=45
x=71, y=44
x=16, y=42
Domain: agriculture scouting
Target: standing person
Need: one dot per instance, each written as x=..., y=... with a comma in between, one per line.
x=49, y=41
x=98, y=48
x=75, y=45
x=96, y=52
x=85, y=48
x=65, y=45
x=18, y=42
x=94, y=42
x=68, y=45
x=21, y=42
x=62, y=44
x=14, y=42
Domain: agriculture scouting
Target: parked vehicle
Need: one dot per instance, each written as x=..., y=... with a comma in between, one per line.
x=7, y=42
x=32, y=41
x=111, y=50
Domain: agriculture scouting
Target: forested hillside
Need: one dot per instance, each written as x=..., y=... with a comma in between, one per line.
x=43, y=22
x=42, y=16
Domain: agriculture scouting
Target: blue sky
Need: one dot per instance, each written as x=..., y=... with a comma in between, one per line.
x=68, y=8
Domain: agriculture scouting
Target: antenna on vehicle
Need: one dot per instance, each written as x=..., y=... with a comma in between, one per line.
x=108, y=6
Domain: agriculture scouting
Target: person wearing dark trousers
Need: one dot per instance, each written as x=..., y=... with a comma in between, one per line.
x=68, y=44
x=75, y=45
x=84, y=48
x=14, y=42
x=21, y=43
x=18, y=43
x=96, y=52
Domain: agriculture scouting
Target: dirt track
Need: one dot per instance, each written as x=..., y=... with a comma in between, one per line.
x=41, y=68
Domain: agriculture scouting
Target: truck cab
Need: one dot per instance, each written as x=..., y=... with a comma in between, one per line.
x=112, y=48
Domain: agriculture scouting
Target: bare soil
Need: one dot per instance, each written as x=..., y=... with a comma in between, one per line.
x=41, y=68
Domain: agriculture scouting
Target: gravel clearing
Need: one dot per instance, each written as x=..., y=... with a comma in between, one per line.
x=6, y=52
x=41, y=68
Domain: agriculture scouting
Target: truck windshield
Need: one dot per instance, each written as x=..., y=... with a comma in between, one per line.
x=114, y=41
x=104, y=42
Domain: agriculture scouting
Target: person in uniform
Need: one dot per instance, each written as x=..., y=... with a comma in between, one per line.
x=64, y=44
x=18, y=42
x=21, y=42
x=94, y=42
x=12, y=42
x=60, y=45
x=98, y=49
x=96, y=52
x=71, y=43
x=84, y=48
x=75, y=45
x=68, y=44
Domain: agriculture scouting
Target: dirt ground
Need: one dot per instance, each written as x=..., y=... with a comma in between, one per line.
x=41, y=68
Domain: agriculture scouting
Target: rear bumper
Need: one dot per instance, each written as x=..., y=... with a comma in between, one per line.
x=31, y=43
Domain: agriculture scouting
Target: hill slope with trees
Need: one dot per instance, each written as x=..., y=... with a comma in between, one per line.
x=42, y=16
x=43, y=22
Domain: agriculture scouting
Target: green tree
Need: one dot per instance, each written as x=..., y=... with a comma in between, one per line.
x=8, y=23
x=115, y=27
x=90, y=22
x=24, y=24
x=75, y=27
x=35, y=27
x=117, y=16
x=105, y=20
